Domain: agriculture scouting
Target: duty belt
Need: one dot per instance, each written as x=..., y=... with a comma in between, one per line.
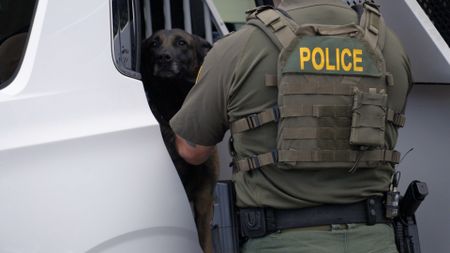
x=258, y=222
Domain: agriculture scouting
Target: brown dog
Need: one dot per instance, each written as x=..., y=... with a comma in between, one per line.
x=170, y=62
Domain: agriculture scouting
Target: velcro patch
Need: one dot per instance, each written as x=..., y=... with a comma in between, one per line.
x=331, y=55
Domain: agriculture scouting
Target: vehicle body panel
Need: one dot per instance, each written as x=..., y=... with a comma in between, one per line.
x=83, y=167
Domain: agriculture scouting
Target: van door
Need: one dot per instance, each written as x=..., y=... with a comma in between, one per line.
x=83, y=167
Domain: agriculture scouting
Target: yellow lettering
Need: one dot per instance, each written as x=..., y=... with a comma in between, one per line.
x=345, y=59
x=328, y=62
x=345, y=66
x=305, y=55
x=357, y=58
x=337, y=60
x=321, y=64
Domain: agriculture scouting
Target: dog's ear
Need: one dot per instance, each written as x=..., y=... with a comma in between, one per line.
x=202, y=47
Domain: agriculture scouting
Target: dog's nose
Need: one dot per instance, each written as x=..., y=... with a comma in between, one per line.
x=164, y=58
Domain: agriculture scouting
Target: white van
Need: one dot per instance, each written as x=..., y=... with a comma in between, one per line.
x=83, y=167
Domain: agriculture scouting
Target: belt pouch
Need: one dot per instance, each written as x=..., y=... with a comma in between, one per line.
x=253, y=222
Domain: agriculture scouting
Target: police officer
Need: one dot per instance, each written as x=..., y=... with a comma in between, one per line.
x=309, y=152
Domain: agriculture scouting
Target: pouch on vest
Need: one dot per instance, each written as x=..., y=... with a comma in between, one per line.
x=368, y=119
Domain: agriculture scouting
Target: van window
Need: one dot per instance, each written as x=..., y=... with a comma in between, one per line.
x=439, y=13
x=126, y=36
x=135, y=20
x=15, y=19
x=188, y=15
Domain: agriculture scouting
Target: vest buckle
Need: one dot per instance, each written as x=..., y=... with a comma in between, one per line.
x=253, y=121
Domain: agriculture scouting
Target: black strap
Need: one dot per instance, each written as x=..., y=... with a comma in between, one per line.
x=258, y=222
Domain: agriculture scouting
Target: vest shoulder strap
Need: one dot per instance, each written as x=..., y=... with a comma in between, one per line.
x=279, y=28
x=373, y=25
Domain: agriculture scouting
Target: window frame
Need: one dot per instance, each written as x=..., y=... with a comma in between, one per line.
x=133, y=34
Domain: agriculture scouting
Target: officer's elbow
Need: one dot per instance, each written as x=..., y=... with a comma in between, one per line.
x=192, y=154
x=188, y=155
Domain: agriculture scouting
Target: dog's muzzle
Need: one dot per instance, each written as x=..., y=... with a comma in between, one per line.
x=165, y=66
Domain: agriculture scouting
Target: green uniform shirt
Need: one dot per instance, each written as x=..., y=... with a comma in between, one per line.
x=231, y=85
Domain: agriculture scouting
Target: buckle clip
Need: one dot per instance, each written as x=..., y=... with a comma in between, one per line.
x=372, y=7
x=275, y=155
x=276, y=113
x=253, y=121
x=253, y=162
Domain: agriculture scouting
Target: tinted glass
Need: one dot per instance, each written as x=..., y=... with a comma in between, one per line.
x=126, y=36
x=15, y=22
x=439, y=13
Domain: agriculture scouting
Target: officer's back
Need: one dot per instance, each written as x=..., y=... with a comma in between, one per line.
x=331, y=206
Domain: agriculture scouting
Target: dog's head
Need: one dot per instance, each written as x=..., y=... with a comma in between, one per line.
x=173, y=54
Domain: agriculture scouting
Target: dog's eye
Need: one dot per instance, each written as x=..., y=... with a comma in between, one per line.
x=154, y=43
x=181, y=43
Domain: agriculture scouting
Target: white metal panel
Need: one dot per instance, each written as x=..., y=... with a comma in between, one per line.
x=82, y=164
x=187, y=16
x=427, y=131
x=148, y=18
x=207, y=21
x=95, y=193
x=167, y=15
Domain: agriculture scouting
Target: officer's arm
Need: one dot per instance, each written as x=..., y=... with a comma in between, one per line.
x=192, y=153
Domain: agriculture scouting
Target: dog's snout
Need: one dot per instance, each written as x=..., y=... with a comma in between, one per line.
x=164, y=58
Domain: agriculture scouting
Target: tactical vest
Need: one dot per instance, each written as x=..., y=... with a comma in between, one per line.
x=332, y=95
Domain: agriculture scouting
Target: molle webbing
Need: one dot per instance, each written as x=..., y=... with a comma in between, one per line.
x=332, y=105
x=319, y=111
x=270, y=80
x=340, y=156
x=397, y=119
x=305, y=133
x=319, y=89
x=254, y=162
x=255, y=120
x=344, y=156
x=316, y=111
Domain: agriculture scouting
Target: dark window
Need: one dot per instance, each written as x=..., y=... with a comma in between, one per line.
x=135, y=20
x=177, y=15
x=263, y=2
x=126, y=36
x=439, y=13
x=15, y=19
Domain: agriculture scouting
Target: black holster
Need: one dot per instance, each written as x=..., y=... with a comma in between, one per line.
x=405, y=225
x=225, y=224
